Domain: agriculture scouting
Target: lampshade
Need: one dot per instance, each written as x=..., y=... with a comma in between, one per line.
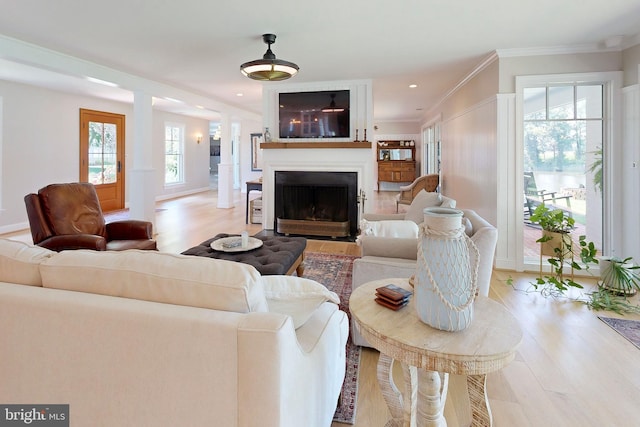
x=269, y=68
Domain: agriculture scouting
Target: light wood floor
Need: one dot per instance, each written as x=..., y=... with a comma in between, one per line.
x=570, y=370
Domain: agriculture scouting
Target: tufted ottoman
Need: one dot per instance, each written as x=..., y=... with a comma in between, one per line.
x=277, y=255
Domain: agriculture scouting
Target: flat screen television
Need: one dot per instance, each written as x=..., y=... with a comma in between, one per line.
x=320, y=114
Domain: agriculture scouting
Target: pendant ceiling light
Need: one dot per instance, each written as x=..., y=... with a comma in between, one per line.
x=269, y=68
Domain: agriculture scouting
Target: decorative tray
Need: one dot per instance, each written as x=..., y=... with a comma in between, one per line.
x=234, y=244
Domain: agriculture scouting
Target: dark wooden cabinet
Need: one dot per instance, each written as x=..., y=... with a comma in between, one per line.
x=396, y=161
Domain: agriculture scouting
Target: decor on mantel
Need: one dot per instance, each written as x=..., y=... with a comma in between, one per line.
x=365, y=136
x=269, y=68
x=315, y=144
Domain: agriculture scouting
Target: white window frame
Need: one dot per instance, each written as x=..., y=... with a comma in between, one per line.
x=180, y=153
x=612, y=131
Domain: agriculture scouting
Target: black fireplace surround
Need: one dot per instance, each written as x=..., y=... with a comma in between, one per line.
x=317, y=196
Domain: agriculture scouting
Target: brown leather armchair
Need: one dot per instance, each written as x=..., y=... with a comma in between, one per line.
x=428, y=183
x=68, y=216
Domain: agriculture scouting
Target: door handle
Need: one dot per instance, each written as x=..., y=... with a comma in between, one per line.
x=118, y=166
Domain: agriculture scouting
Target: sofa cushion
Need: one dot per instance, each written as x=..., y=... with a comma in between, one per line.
x=296, y=296
x=389, y=228
x=20, y=262
x=159, y=277
x=422, y=200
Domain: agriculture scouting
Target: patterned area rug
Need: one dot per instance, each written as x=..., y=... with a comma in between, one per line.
x=334, y=271
x=630, y=329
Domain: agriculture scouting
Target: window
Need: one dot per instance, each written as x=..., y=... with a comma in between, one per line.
x=102, y=157
x=563, y=145
x=431, y=149
x=173, y=154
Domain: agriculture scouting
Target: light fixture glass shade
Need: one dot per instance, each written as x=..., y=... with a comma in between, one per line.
x=269, y=68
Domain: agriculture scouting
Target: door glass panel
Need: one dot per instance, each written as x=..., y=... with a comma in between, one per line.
x=563, y=139
x=110, y=138
x=561, y=102
x=589, y=102
x=102, y=153
x=535, y=102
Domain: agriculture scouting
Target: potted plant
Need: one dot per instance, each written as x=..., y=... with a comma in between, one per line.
x=556, y=226
x=619, y=276
x=557, y=243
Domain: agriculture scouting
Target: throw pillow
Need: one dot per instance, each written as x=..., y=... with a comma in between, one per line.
x=296, y=297
x=20, y=262
x=160, y=277
x=389, y=228
x=422, y=200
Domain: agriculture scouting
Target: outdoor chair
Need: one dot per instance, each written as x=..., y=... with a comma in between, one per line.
x=531, y=190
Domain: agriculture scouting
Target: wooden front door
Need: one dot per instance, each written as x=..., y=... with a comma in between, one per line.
x=102, y=156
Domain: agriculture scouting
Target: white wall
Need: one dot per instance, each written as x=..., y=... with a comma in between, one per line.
x=40, y=145
x=468, y=135
x=196, y=156
x=630, y=172
x=469, y=159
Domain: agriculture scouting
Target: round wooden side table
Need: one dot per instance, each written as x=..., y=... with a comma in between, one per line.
x=429, y=355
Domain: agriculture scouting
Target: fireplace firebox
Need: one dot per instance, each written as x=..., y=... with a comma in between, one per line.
x=316, y=203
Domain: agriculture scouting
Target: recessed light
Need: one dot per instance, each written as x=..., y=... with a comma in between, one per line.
x=239, y=94
x=102, y=82
x=413, y=85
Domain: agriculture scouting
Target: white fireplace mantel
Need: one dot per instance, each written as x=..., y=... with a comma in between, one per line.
x=359, y=160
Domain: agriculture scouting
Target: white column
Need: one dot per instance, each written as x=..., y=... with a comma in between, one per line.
x=142, y=175
x=225, y=168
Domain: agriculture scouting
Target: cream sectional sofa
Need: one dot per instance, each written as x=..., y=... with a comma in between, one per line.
x=144, y=338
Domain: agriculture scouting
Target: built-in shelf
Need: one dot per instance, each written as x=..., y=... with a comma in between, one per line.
x=316, y=144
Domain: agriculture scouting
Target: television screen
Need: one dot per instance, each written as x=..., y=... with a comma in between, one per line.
x=321, y=114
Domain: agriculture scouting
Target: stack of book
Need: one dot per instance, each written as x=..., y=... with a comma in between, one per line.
x=392, y=296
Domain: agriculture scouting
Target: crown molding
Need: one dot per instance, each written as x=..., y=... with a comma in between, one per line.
x=484, y=63
x=631, y=41
x=555, y=50
x=611, y=44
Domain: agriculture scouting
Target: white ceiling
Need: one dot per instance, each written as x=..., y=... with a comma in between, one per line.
x=198, y=46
